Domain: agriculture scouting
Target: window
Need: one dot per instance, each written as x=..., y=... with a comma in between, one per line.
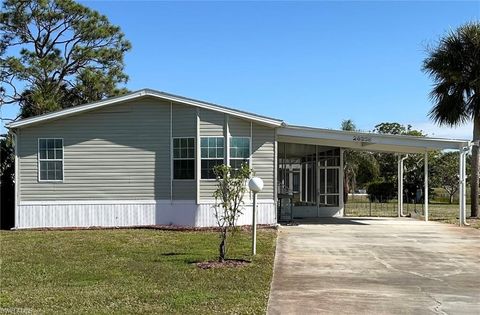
x=50, y=159
x=239, y=151
x=213, y=151
x=183, y=158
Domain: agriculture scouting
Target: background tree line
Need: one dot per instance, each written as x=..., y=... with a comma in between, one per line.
x=378, y=171
x=54, y=54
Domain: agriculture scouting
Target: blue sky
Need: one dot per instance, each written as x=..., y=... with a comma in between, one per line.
x=309, y=63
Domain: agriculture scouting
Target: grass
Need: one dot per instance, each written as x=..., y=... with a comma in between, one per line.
x=131, y=271
x=359, y=206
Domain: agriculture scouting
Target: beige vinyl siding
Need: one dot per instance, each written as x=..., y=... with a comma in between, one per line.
x=211, y=123
x=122, y=152
x=184, y=189
x=184, y=124
x=207, y=187
x=184, y=119
x=116, y=153
x=239, y=127
x=263, y=158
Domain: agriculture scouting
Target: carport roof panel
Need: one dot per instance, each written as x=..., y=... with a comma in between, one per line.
x=366, y=141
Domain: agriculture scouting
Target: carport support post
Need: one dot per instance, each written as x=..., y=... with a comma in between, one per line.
x=400, y=185
x=460, y=189
x=425, y=194
x=462, y=200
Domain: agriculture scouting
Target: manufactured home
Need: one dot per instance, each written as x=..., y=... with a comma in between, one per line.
x=146, y=158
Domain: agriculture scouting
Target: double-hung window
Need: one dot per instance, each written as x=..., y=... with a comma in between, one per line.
x=239, y=152
x=213, y=152
x=50, y=159
x=183, y=158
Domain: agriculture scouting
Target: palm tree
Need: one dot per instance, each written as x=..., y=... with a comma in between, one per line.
x=454, y=66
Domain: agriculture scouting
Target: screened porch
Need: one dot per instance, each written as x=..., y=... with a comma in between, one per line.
x=309, y=181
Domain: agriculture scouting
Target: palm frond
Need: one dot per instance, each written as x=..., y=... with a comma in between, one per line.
x=454, y=66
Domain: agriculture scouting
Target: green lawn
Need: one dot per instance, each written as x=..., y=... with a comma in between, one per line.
x=359, y=206
x=130, y=271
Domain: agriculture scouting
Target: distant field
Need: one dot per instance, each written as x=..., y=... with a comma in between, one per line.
x=360, y=206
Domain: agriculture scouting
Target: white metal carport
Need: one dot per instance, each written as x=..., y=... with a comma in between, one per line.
x=400, y=144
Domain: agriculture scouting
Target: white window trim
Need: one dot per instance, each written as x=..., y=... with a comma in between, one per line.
x=249, y=148
x=202, y=158
x=174, y=158
x=50, y=160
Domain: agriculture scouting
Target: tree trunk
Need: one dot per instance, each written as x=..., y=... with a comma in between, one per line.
x=346, y=187
x=475, y=169
x=222, y=248
x=450, y=200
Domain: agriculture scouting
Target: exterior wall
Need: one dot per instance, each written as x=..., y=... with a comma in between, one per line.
x=114, y=153
x=239, y=127
x=184, y=120
x=212, y=124
x=262, y=153
x=117, y=168
x=263, y=159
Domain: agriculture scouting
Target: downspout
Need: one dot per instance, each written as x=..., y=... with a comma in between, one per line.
x=400, y=185
x=425, y=185
x=463, y=179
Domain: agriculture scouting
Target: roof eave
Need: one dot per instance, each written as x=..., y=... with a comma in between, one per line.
x=137, y=94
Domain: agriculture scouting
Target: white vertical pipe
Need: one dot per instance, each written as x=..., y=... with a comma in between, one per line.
x=171, y=152
x=301, y=181
x=463, y=188
x=317, y=182
x=198, y=155
x=400, y=198
x=399, y=187
x=460, y=188
x=340, y=181
x=16, y=224
x=275, y=174
x=426, y=186
x=306, y=182
x=290, y=177
x=464, y=184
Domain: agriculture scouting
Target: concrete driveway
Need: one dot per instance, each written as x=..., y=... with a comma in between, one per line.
x=376, y=266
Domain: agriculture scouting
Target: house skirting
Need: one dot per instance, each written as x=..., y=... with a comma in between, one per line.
x=124, y=213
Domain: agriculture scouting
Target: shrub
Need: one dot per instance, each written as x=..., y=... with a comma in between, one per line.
x=381, y=191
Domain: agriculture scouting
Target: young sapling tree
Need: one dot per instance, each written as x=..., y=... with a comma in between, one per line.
x=229, y=204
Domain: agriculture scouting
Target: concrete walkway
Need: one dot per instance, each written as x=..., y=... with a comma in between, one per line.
x=376, y=266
